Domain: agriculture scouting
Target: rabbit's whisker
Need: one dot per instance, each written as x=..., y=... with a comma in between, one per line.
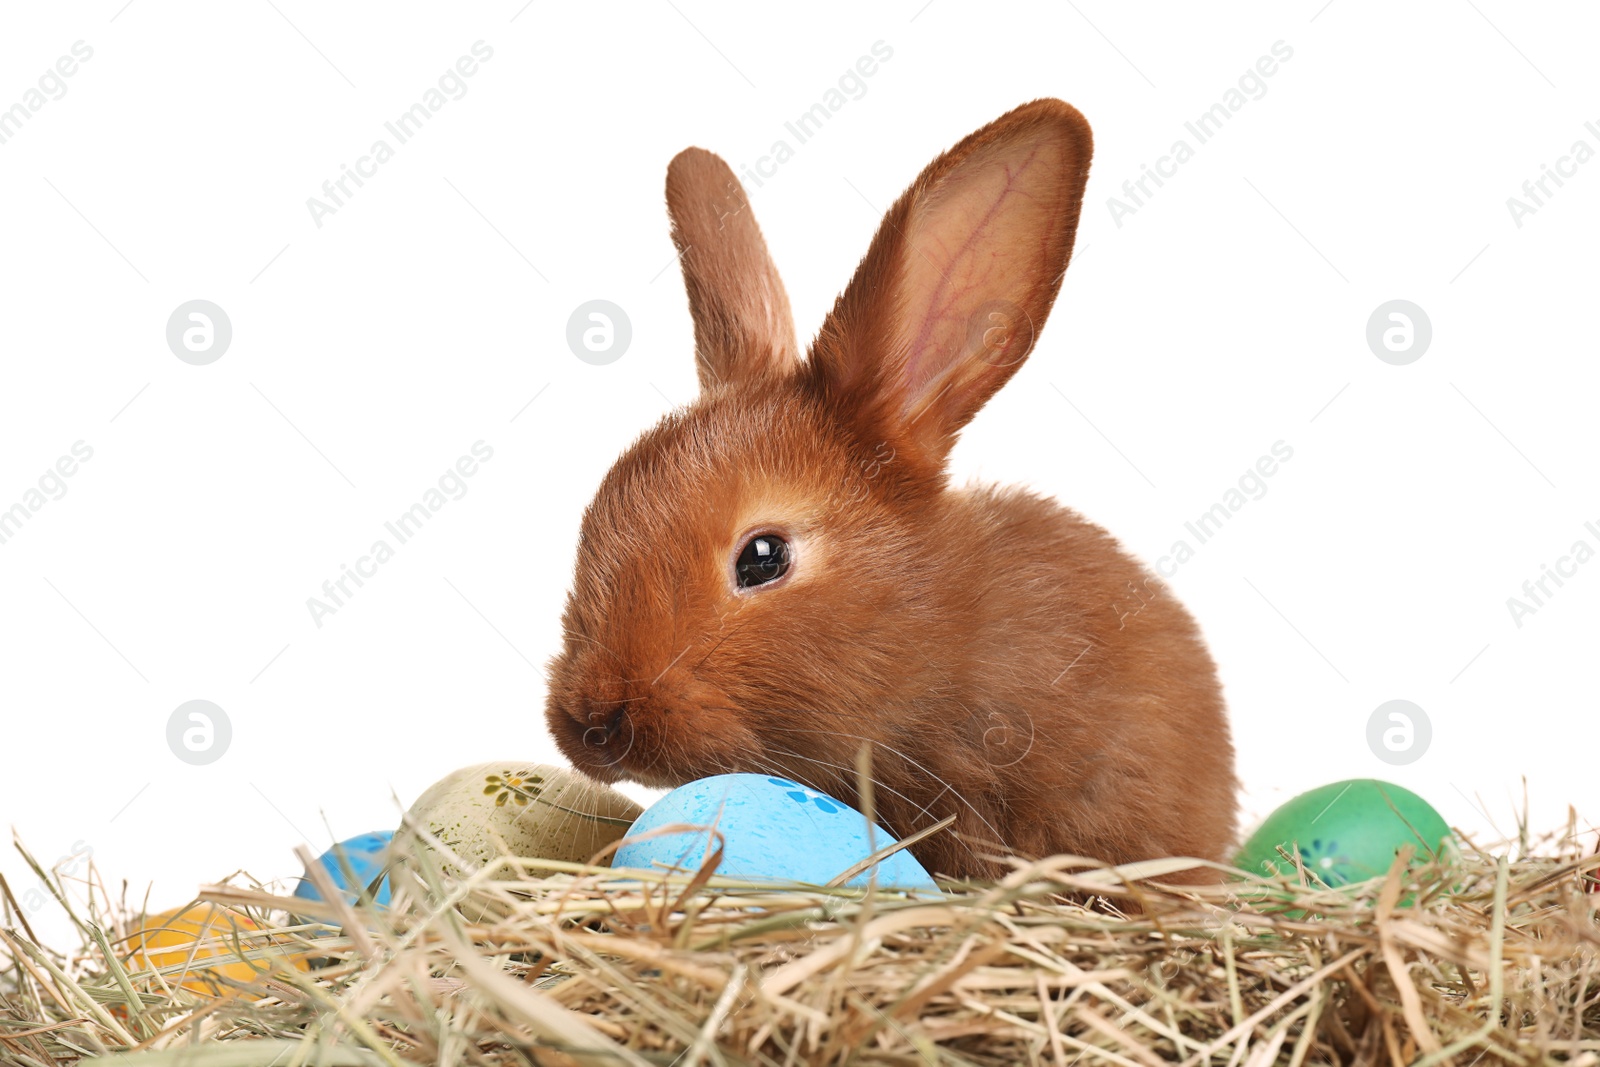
x=948, y=788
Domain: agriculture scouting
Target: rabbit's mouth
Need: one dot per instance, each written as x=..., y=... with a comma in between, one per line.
x=663, y=737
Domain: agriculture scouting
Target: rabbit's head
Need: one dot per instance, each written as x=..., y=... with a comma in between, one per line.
x=757, y=573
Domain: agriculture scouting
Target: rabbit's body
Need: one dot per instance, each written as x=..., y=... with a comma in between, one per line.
x=1083, y=714
x=1006, y=661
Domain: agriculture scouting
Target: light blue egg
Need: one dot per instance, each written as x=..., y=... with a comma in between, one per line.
x=773, y=829
x=363, y=856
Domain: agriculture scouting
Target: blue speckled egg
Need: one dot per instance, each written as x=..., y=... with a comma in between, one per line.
x=364, y=856
x=773, y=829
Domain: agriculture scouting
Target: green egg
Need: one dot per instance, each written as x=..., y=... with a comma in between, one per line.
x=1347, y=832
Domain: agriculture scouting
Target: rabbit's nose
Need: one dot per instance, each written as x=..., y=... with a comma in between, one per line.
x=603, y=718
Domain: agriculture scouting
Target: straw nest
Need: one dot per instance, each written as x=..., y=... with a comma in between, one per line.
x=1496, y=959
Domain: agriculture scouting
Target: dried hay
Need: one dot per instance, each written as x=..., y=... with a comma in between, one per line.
x=1496, y=959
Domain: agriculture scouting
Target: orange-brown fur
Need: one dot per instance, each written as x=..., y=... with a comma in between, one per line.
x=1008, y=663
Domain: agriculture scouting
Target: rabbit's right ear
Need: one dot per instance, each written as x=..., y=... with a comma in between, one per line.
x=742, y=326
x=956, y=286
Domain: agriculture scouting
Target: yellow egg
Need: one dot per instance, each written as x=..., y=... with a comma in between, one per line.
x=178, y=938
x=523, y=809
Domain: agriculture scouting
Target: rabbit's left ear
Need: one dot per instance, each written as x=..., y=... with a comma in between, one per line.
x=958, y=281
x=742, y=326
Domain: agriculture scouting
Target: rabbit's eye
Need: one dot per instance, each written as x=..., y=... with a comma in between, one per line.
x=765, y=559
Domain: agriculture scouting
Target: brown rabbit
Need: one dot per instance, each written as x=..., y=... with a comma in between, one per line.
x=779, y=573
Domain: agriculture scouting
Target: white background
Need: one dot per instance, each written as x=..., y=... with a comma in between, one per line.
x=1228, y=313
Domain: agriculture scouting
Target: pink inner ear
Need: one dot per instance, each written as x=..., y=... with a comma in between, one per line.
x=977, y=258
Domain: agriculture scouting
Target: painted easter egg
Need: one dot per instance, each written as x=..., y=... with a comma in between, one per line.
x=773, y=829
x=1348, y=832
x=201, y=939
x=522, y=809
x=351, y=866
